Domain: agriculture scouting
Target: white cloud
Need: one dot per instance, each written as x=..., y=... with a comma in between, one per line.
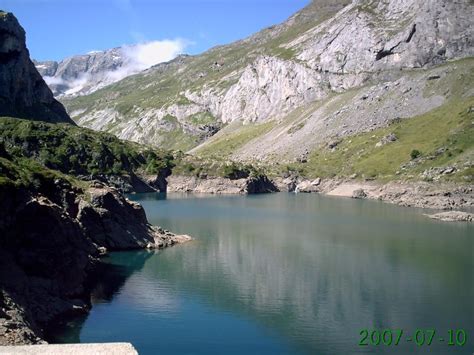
x=147, y=54
x=142, y=56
x=136, y=58
x=78, y=84
x=52, y=80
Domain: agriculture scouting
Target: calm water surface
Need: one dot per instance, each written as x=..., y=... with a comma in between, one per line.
x=284, y=274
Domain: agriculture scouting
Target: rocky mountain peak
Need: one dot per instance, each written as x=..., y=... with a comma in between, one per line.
x=23, y=92
x=84, y=73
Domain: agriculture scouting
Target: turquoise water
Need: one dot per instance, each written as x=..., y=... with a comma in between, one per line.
x=284, y=274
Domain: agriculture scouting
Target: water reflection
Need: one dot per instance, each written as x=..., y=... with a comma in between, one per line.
x=313, y=269
x=111, y=275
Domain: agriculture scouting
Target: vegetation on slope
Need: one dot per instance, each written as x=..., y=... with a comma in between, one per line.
x=205, y=167
x=233, y=137
x=30, y=148
x=28, y=173
x=442, y=137
x=78, y=151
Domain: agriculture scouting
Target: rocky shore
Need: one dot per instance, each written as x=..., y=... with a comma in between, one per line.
x=220, y=185
x=453, y=216
x=442, y=196
x=51, y=241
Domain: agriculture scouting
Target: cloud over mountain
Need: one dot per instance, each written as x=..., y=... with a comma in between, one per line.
x=84, y=74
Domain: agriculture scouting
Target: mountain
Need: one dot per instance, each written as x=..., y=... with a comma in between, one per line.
x=333, y=70
x=84, y=74
x=23, y=93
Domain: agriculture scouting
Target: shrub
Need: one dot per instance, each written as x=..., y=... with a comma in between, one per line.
x=415, y=154
x=234, y=172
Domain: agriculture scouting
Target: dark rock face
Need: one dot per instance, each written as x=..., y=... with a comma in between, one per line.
x=23, y=92
x=50, y=244
x=114, y=222
x=133, y=183
x=359, y=194
x=44, y=262
x=260, y=184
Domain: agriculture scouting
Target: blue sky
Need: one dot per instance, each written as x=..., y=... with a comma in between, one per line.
x=60, y=28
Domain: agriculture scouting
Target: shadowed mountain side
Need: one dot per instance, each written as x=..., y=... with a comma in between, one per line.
x=23, y=92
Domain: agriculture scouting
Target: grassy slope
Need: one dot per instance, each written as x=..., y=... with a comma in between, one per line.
x=28, y=173
x=449, y=127
x=233, y=137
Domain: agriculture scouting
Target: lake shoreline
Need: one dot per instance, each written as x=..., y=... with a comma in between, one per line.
x=435, y=196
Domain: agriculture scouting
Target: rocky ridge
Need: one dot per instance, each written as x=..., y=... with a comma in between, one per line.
x=220, y=185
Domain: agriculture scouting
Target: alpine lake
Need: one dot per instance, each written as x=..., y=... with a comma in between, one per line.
x=287, y=274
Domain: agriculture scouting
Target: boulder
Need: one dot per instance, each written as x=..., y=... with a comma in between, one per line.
x=387, y=139
x=359, y=194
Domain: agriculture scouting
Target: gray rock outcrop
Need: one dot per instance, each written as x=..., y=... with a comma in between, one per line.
x=113, y=222
x=453, y=216
x=23, y=92
x=359, y=194
x=221, y=185
x=370, y=36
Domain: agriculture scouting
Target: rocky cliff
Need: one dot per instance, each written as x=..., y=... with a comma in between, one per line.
x=284, y=74
x=53, y=229
x=23, y=92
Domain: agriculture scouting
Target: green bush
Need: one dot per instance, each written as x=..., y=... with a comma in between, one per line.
x=415, y=154
x=234, y=172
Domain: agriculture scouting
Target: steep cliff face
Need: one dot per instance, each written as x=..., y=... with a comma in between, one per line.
x=268, y=89
x=23, y=92
x=370, y=36
x=326, y=49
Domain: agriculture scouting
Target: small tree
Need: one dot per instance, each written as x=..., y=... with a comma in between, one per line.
x=415, y=154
